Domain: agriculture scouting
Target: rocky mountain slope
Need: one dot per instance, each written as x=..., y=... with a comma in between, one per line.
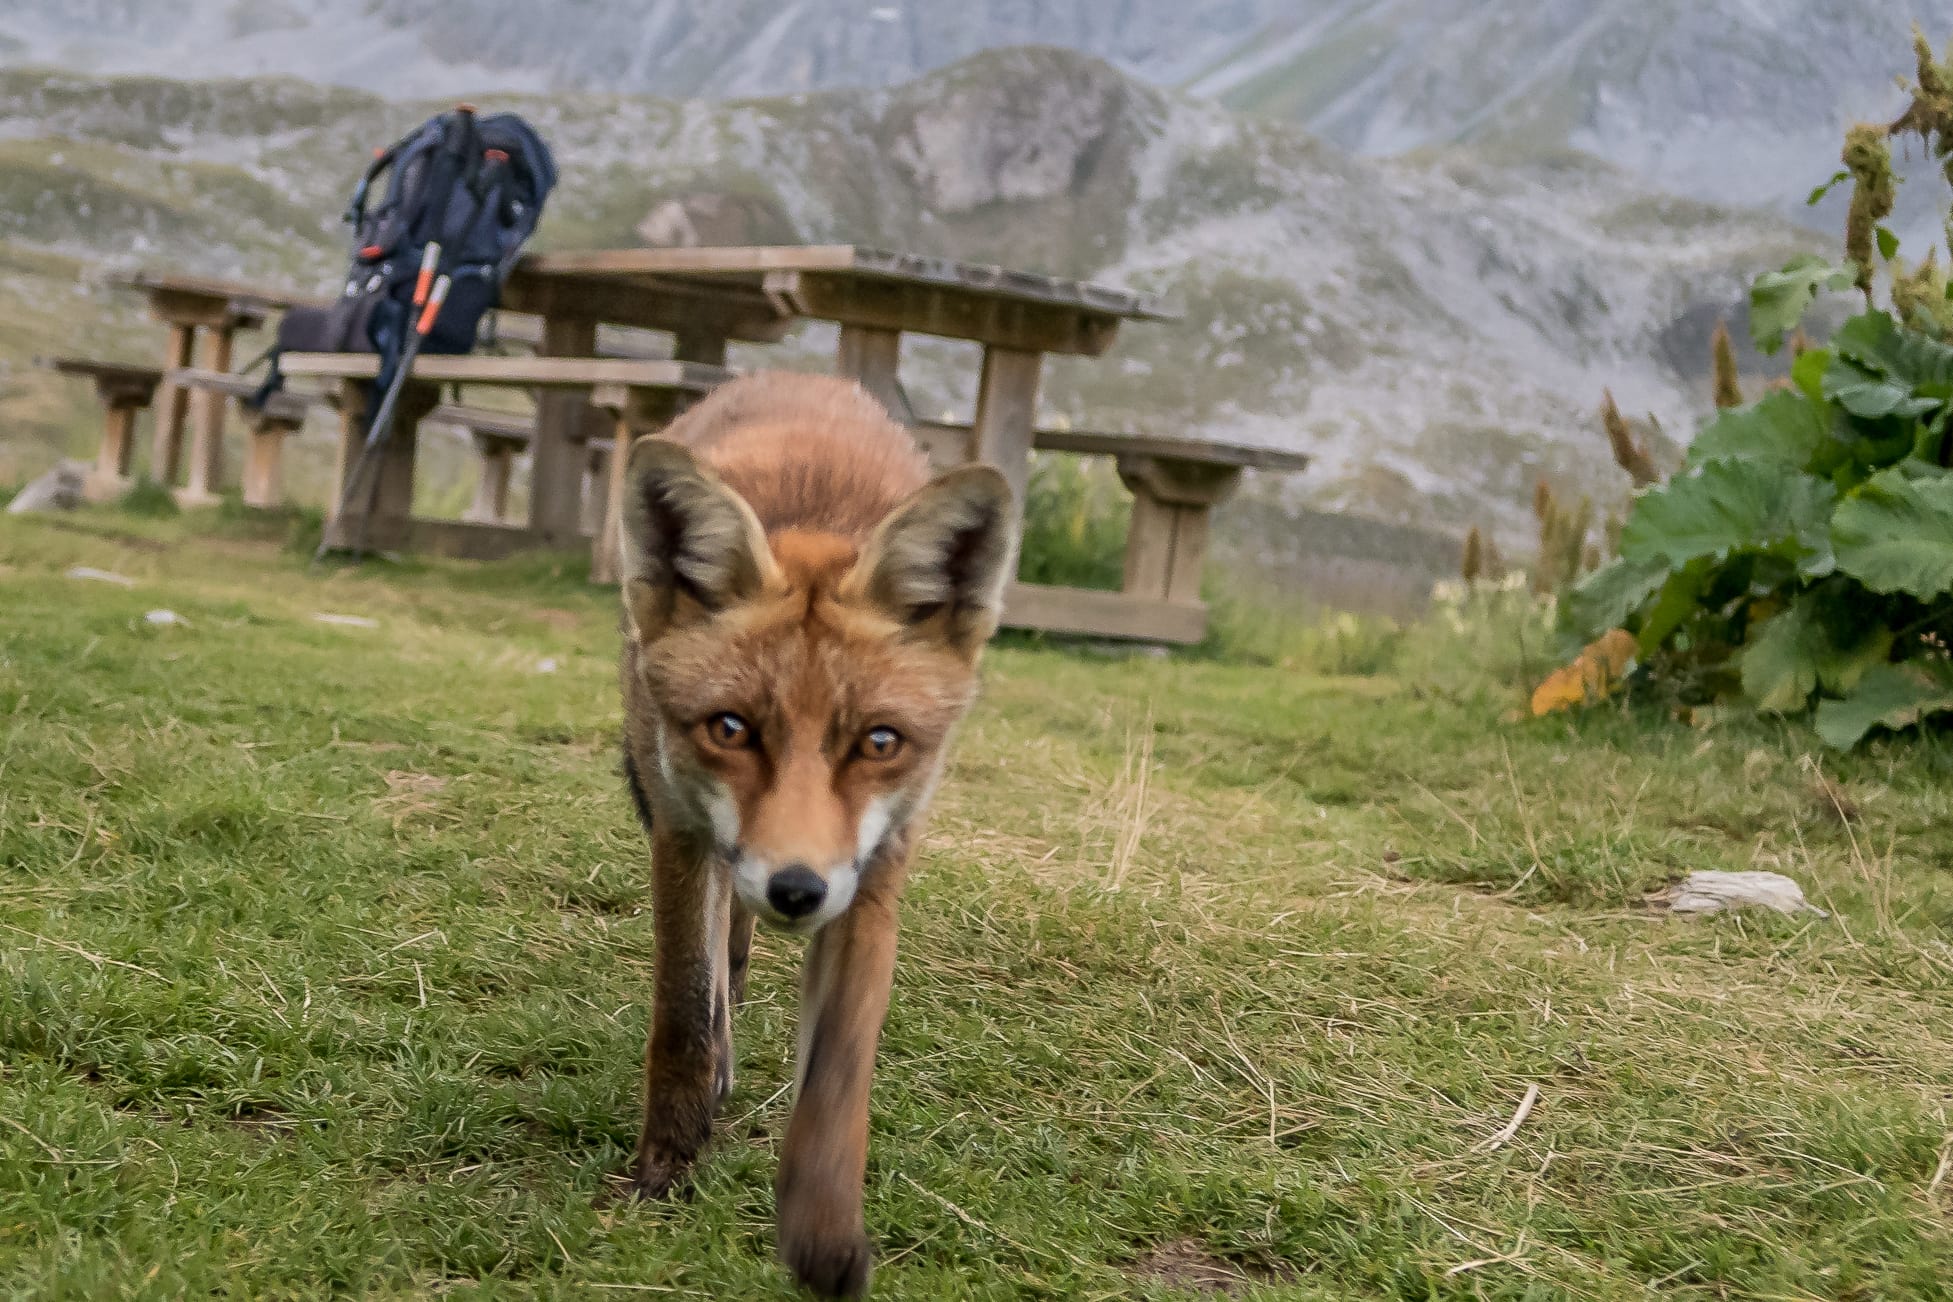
x=1731, y=101
x=716, y=48
x=1734, y=101
x=1437, y=329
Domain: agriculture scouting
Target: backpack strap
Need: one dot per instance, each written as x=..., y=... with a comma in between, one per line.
x=382, y=160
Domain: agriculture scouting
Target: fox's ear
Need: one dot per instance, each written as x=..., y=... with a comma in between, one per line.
x=689, y=545
x=940, y=562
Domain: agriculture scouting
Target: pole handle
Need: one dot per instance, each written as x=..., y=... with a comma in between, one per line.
x=430, y=261
x=433, y=308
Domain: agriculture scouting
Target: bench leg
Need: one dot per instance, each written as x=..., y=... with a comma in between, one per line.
x=1006, y=416
x=594, y=495
x=636, y=413
x=555, y=459
x=491, y=505
x=206, y=473
x=264, y=464
x=351, y=402
x=1166, y=545
x=1166, y=550
x=604, y=548
x=172, y=407
x=872, y=358
x=389, y=485
x=112, y=459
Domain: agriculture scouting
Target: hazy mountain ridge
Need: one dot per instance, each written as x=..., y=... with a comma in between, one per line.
x=1732, y=100
x=1436, y=329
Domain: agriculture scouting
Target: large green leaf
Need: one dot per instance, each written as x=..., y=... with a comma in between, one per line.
x=1879, y=344
x=1895, y=534
x=1780, y=666
x=1807, y=372
x=1731, y=506
x=1678, y=598
x=1786, y=428
x=1822, y=639
x=1889, y=696
x=1779, y=299
x=1871, y=396
x=1608, y=598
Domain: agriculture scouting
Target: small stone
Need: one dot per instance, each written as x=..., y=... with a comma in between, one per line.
x=164, y=618
x=345, y=621
x=546, y=666
x=90, y=574
x=59, y=489
x=1712, y=892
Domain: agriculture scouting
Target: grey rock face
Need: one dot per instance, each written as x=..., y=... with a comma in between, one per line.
x=985, y=142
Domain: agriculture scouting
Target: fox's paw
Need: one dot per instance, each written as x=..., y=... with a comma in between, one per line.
x=660, y=1176
x=832, y=1267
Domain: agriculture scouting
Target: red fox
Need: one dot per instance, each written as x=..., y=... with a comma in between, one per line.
x=804, y=610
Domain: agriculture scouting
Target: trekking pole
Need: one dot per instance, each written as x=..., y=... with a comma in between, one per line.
x=430, y=292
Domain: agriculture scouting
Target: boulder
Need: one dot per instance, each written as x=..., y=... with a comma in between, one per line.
x=716, y=219
x=60, y=489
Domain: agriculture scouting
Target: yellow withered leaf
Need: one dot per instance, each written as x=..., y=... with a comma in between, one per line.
x=1593, y=676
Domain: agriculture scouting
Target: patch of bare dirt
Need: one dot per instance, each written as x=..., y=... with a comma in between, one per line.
x=408, y=795
x=1189, y=1264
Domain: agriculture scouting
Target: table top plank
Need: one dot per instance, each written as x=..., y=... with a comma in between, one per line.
x=1248, y=456
x=1214, y=452
x=216, y=290
x=113, y=372
x=525, y=372
x=751, y=264
x=286, y=404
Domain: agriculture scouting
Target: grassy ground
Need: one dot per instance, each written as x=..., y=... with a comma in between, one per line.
x=324, y=956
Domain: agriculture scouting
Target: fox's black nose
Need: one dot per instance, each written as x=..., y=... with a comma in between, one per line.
x=795, y=891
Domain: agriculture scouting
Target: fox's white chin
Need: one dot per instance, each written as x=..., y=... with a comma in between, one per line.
x=749, y=878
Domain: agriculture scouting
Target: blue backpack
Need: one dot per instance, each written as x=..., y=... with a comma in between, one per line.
x=473, y=186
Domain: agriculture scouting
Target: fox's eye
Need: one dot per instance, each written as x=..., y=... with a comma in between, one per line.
x=880, y=743
x=729, y=731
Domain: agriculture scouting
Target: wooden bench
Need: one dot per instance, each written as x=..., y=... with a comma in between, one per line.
x=281, y=416
x=124, y=391
x=1175, y=484
x=499, y=437
x=639, y=397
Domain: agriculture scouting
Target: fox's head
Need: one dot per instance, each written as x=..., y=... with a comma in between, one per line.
x=802, y=690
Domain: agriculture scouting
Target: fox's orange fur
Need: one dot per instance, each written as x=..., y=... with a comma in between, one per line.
x=804, y=613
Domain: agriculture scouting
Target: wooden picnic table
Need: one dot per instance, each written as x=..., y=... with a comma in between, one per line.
x=706, y=296
x=639, y=396
x=203, y=315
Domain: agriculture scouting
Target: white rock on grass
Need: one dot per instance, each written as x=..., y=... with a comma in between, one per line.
x=1712, y=892
x=346, y=621
x=57, y=490
x=165, y=618
x=90, y=574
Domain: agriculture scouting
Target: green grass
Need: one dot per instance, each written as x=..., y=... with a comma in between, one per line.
x=324, y=958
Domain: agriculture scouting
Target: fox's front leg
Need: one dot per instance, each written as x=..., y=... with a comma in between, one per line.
x=739, y=950
x=730, y=993
x=688, y=1058
x=850, y=964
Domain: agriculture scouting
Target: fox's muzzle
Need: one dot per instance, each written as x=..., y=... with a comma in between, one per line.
x=793, y=896
x=795, y=891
